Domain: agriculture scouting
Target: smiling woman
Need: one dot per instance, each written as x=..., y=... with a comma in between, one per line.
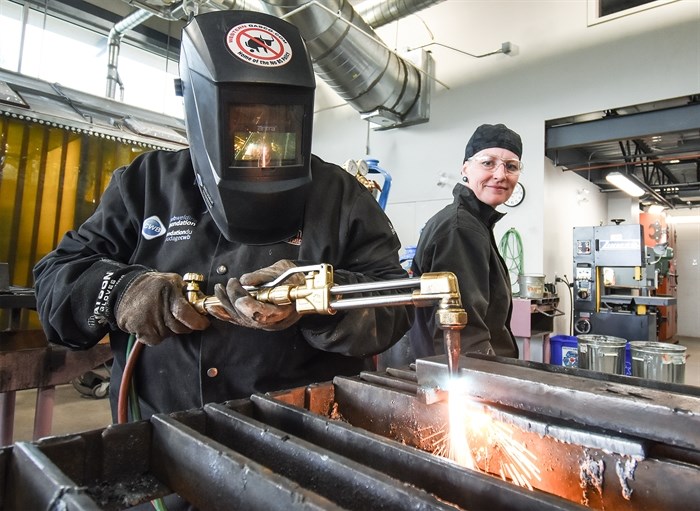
x=492, y=163
x=460, y=239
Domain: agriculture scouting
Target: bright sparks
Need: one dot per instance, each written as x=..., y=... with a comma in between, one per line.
x=459, y=450
x=471, y=424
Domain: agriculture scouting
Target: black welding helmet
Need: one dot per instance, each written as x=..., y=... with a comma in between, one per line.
x=248, y=89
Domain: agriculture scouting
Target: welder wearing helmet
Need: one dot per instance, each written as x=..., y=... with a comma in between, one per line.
x=244, y=203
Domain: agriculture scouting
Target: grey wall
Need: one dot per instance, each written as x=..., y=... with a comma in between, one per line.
x=688, y=269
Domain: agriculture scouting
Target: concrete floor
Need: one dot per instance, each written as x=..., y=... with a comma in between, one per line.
x=72, y=413
x=75, y=413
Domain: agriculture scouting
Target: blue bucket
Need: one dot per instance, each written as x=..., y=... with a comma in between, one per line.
x=563, y=350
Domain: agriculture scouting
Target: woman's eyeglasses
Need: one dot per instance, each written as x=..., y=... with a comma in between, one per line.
x=490, y=164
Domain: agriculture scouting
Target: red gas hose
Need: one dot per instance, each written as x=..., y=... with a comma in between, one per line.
x=127, y=376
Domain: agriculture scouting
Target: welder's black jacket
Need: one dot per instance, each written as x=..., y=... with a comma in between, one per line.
x=343, y=226
x=459, y=239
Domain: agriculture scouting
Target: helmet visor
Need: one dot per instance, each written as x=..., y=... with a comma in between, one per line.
x=266, y=135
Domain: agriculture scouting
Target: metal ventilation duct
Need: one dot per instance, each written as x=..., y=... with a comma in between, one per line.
x=114, y=40
x=378, y=13
x=200, y=6
x=385, y=88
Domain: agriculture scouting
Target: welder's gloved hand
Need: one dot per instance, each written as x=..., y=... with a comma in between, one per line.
x=154, y=307
x=242, y=309
x=228, y=296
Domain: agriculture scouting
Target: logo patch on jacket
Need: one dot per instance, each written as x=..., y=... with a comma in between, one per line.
x=180, y=228
x=152, y=228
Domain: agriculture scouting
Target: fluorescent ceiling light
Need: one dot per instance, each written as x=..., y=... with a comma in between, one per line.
x=655, y=209
x=689, y=195
x=689, y=219
x=625, y=184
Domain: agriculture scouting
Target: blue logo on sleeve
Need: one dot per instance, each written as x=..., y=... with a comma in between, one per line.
x=152, y=228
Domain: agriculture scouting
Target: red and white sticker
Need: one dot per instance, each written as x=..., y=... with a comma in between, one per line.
x=259, y=45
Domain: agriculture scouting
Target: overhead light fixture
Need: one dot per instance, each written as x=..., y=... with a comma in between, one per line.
x=689, y=195
x=655, y=209
x=625, y=184
x=690, y=219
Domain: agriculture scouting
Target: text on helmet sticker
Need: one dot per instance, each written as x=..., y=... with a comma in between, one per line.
x=259, y=45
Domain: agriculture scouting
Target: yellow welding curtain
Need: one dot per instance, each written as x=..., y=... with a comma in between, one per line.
x=51, y=180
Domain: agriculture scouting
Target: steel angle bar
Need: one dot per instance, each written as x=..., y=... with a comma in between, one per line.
x=389, y=412
x=35, y=482
x=675, y=388
x=406, y=374
x=389, y=381
x=71, y=472
x=321, y=470
x=448, y=481
x=626, y=408
x=212, y=476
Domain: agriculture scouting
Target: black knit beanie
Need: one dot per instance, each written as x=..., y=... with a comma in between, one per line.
x=493, y=135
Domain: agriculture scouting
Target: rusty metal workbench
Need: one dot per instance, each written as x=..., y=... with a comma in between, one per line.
x=29, y=361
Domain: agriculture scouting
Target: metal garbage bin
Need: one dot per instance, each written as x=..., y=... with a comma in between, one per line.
x=602, y=353
x=659, y=361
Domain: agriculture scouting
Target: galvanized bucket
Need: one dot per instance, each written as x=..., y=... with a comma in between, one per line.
x=660, y=361
x=531, y=286
x=602, y=353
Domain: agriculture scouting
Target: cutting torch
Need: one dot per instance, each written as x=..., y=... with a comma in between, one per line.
x=320, y=295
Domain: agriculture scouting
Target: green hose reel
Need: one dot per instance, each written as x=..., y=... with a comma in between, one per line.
x=511, y=249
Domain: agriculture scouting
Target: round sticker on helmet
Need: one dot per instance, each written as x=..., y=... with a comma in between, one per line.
x=259, y=45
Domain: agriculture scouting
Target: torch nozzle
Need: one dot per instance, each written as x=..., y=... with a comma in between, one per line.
x=452, y=340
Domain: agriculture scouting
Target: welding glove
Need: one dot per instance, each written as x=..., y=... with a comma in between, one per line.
x=239, y=307
x=154, y=307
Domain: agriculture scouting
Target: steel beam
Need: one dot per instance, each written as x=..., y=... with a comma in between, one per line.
x=623, y=127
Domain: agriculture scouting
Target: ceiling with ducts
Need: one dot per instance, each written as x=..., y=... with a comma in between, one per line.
x=657, y=144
